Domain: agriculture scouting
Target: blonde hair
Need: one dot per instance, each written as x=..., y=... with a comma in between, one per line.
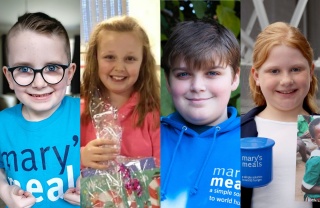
x=275, y=34
x=147, y=84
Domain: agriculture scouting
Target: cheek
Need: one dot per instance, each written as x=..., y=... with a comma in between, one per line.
x=134, y=70
x=179, y=88
x=303, y=80
x=268, y=83
x=103, y=66
x=61, y=86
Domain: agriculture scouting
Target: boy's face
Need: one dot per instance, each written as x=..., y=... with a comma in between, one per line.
x=317, y=135
x=119, y=56
x=201, y=96
x=28, y=48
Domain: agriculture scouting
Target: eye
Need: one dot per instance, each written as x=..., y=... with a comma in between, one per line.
x=110, y=57
x=213, y=73
x=295, y=69
x=24, y=69
x=182, y=74
x=131, y=58
x=275, y=71
x=52, y=68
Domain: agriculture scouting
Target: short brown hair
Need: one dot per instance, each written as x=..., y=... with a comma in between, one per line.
x=200, y=43
x=40, y=23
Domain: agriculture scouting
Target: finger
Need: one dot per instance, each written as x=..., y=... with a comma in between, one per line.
x=27, y=194
x=100, y=142
x=109, y=150
x=72, y=198
x=105, y=150
x=70, y=191
x=27, y=202
x=16, y=190
x=20, y=192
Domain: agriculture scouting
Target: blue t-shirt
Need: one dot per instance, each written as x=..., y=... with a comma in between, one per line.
x=200, y=169
x=42, y=157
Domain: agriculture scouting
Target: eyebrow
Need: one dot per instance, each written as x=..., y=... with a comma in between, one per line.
x=22, y=63
x=209, y=68
x=291, y=66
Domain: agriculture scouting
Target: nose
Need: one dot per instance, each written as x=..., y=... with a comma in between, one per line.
x=197, y=84
x=38, y=81
x=119, y=66
x=286, y=79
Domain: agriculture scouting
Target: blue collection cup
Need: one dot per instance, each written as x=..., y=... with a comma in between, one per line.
x=256, y=161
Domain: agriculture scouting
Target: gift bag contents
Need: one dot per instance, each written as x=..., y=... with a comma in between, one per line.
x=135, y=184
x=128, y=182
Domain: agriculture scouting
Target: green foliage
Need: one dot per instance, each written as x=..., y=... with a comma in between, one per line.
x=200, y=8
x=166, y=101
x=225, y=12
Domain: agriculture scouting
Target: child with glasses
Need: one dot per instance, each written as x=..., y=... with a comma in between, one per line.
x=40, y=142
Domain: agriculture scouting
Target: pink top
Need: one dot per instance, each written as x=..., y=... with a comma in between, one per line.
x=141, y=141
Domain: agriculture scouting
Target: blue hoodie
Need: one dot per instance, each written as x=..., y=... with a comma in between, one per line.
x=200, y=170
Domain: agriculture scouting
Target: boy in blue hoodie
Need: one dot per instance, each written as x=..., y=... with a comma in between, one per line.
x=200, y=142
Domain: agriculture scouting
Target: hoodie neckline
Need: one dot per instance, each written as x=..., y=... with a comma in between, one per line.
x=176, y=121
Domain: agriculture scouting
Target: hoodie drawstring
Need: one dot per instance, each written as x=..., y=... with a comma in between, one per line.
x=163, y=189
x=194, y=190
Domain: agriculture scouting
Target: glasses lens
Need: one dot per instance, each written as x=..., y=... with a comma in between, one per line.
x=53, y=74
x=23, y=75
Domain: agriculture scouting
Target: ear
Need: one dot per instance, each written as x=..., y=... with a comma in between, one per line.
x=70, y=72
x=255, y=75
x=236, y=80
x=311, y=71
x=8, y=77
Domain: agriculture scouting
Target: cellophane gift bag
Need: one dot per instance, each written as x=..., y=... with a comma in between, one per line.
x=128, y=182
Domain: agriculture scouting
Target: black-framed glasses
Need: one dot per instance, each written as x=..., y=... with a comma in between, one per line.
x=51, y=74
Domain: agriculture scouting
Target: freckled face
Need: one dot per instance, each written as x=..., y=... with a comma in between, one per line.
x=119, y=59
x=28, y=48
x=201, y=96
x=284, y=78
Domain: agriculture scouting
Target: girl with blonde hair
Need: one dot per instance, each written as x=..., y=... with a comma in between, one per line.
x=120, y=64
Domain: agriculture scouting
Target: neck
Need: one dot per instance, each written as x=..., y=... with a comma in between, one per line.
x=31, y=115
x=280, y=115
x=118, y=100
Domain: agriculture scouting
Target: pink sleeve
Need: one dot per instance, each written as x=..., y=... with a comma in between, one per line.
x=87, y=133
x=155, y=136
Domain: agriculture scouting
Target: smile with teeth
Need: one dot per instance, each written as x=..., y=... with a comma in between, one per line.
x=40, y=95
x=118, y=78
x=286, y=92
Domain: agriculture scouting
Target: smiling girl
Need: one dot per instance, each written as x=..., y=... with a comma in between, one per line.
x=120, y=64
x=283, y=85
